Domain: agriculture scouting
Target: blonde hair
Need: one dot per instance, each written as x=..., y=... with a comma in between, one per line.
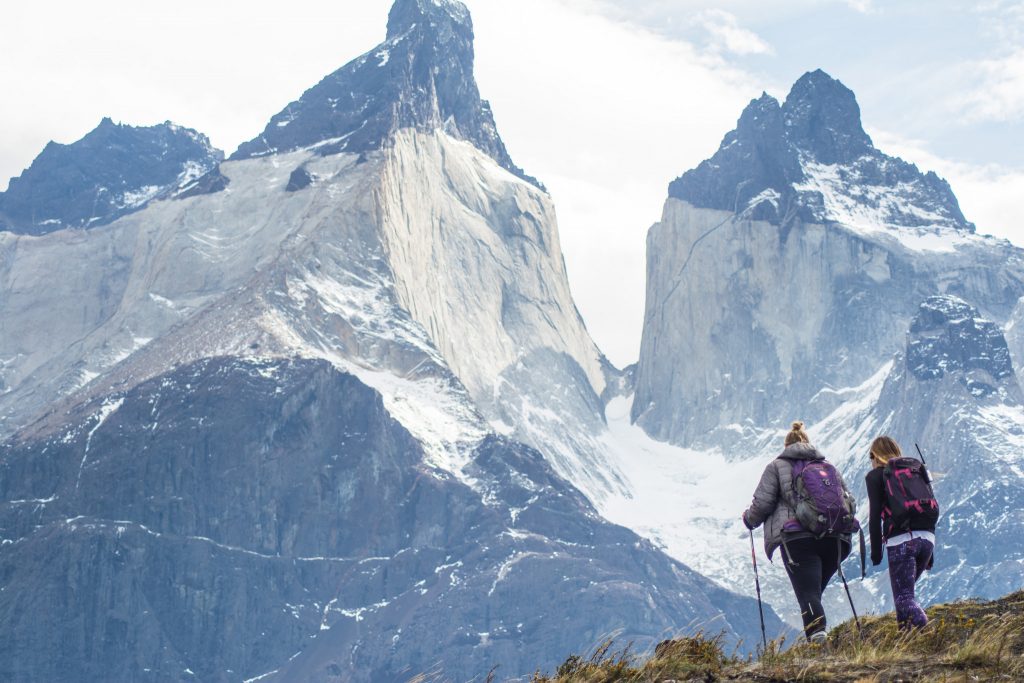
x=797, y=434
x=884, y=449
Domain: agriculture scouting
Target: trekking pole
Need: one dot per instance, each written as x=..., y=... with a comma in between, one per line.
x=846, y=587
x=921, y=454
x=757, y=584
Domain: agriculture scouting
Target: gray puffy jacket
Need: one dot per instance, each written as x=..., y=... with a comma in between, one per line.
x=775, y=497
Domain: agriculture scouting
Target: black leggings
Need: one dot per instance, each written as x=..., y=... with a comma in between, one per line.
x=816, y=561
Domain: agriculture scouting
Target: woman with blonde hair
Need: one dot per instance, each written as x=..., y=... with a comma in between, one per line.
x=903, y=514
x=808, y=512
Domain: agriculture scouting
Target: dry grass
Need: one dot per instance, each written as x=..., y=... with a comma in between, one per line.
x=964, y=641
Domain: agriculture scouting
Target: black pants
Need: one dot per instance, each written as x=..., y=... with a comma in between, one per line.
x=816, y=561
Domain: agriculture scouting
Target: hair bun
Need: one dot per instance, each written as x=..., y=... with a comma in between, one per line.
x=798, y=426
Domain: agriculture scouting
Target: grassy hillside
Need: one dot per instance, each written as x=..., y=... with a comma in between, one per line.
x=965, y=641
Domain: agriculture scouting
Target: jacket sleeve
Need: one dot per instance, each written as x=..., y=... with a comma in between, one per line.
x=766, y=498
x=876, y=499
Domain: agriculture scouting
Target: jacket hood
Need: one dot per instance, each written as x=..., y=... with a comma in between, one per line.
x=801, y=451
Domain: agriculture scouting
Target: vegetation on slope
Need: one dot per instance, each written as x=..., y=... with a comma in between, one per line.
x=964, y=641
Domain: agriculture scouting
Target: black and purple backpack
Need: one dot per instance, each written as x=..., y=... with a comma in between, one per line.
x=910, y=503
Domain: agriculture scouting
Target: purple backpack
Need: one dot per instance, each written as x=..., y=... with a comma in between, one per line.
x=823, y=505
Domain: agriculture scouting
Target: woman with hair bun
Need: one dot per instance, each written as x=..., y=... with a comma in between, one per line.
x=903, y=514
x=806, y=510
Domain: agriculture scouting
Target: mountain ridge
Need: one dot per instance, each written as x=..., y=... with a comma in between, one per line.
x=792, y=160
x=112, y=171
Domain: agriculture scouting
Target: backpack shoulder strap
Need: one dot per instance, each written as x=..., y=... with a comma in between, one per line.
x=797, y=467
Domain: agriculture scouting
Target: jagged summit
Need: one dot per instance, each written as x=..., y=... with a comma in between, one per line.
x=420, y=77
x=810, y=159
x=113, y=170
x=406, y=14
x=822, y=119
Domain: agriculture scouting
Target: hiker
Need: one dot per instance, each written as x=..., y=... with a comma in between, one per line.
x=811, y=550
x=903, y=514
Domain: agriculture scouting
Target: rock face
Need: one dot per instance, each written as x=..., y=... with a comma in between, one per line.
x=420, y=77
x=234, y=518
x=114, y=170
x=792, y=262
x=947, y=336
x=319, y=426
x=1015, y=339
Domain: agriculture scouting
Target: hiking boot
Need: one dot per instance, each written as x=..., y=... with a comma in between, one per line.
x=817, y=638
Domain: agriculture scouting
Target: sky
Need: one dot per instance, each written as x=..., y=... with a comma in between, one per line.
x=605, y=101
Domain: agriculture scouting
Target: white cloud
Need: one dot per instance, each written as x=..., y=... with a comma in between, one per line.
x=997, y=90
x=728, y=36
x=606, y=114
x=222, y=67
x=864, y=6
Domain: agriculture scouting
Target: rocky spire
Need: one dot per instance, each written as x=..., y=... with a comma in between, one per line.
x=822, y=118
x=420, y=77
x=445, y=16
x=809, y=159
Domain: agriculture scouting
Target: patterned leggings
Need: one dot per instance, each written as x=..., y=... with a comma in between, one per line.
x=907, y=562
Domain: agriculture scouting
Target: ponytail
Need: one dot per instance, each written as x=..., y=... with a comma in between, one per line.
x=797, y=435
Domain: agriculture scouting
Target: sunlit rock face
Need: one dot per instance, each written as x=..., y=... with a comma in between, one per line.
x=790, y=265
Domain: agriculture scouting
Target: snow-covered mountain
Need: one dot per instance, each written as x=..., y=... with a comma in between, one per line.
x=788, y=267
x=420, y=77
x=114, y=170
x=809, y=159
x=312, y=416
x=783, y=281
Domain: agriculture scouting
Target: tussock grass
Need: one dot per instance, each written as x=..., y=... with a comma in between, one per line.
x=964, y=641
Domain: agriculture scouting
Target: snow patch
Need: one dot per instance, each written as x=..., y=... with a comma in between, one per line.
x=131, y=200
x=191, y=171
x=108, y=408
x=684, y=501
x=875, y=210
